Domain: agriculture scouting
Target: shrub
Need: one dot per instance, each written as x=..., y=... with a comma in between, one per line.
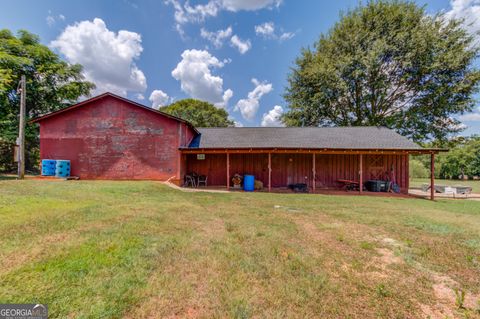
x=418, y=169
x=7, y=165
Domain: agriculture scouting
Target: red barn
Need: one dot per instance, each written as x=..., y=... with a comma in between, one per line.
x=110, y=137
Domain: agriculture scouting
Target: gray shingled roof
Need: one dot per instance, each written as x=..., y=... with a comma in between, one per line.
x=302, y=137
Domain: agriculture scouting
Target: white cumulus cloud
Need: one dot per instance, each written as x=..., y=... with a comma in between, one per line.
x=108, y=58
x=241, y=45
x=267, y=31
x=272, y=117
x=249, y=107
x=216, y=38
x=187, y=13
x=194, y=72
x=468, y=10
x=159, y=99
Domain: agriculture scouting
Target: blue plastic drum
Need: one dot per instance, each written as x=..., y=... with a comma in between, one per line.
x=248, y=183
x=48, y=167
x=62, y=168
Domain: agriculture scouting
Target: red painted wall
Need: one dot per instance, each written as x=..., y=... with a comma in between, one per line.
x=330, y=168
x=214, y=166
x=110, y=138
x=298, y=168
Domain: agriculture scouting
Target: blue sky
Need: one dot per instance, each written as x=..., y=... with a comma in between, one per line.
x=234, y=53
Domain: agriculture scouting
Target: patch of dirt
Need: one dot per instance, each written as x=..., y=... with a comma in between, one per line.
x=436, y=312
x=391, y=242
x=387, y=257
x=444, y=289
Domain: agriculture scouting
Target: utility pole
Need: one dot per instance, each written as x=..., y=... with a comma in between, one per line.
x=21, y=130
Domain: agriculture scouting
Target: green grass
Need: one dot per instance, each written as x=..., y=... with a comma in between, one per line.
x=474, y=184
x=141, y=250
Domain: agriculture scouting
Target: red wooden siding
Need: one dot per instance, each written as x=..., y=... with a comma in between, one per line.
x=251, y=164
x=110, y=138
x=291, y=169
x=214, y=166
x=330, y=168
x=297, y=168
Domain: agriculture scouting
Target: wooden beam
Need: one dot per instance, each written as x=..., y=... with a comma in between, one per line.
x=360, y=172
x=432, y=176
x=269, y=172
x=314, y=173
x=228, y=171
x=303, y=151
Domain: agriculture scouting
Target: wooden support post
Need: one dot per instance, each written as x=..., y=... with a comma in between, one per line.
x=269, y=172
x=21, y=129
x=360, y=173
x=314, y=173
x=432, y=176
x=228, y=171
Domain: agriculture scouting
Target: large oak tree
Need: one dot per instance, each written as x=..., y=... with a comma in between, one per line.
x=386, y=63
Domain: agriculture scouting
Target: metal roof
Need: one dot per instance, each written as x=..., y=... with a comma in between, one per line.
x=302, y=138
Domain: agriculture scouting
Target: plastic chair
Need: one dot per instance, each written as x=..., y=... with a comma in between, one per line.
x=202, y=179
x=189, y=180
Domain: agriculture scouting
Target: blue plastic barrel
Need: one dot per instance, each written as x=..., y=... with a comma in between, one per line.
x=62, y=168
x=48, y=167
x=248, y=183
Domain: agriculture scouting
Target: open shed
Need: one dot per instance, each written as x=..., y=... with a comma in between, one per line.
x=316, y=156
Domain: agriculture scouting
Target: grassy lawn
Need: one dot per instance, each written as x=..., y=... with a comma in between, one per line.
x=475, y=185
x=142, y=250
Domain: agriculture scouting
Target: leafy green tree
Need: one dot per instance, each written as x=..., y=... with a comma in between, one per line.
x=386, y=63
x=51, y=85
x=463, y=160
x=199, y=113
x=418, y=169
